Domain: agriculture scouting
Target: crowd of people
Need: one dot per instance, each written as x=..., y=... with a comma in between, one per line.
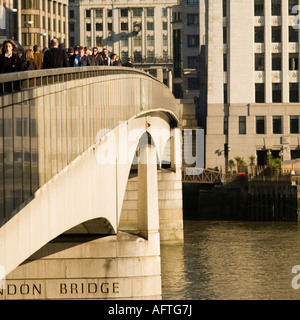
x=13, y=60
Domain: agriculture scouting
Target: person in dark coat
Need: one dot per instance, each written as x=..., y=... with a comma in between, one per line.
x=55, y=57
x=9, y=59
x=97, y=57
x=129, y=63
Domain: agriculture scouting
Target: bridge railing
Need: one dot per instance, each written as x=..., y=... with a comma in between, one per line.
x=18, y=81
x=49, y=117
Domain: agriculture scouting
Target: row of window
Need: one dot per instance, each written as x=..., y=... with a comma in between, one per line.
x=259, y=34
x=124, y=26
x=276, y=61
x=137, y=41
x=123, y=12
x=260, y=124
x=36, y=23
x=277, y=92
x=35, y=4
x=276, y=6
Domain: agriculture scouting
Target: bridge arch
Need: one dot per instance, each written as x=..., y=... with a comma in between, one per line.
x=87, y=191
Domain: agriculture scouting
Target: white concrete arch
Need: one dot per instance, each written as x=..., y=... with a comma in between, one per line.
x=91, y=187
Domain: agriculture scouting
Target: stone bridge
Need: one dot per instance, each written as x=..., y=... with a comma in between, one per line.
x=90, y=183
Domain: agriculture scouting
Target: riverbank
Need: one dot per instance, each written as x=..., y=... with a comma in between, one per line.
x=241, y=200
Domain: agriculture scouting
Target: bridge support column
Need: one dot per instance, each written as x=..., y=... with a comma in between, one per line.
x=148, y=221
x=169, y=185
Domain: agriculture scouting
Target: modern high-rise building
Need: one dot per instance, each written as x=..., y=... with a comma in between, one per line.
x=33, y=22
x=137, y=29
x=249, y=79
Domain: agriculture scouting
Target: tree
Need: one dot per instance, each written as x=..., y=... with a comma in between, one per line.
x=231, y=165
x=252, y=163
x=274, y=163
x=240, y=162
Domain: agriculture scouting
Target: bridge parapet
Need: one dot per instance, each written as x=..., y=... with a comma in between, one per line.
x=50, y=117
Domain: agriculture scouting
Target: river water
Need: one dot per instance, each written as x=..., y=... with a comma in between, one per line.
x=232, y=260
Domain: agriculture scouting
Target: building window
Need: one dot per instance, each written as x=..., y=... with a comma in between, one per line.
x=109, y=26
x=124, y=41
x=88, y=41
x=225, y=95
x=242, y=125
x=165, y=40
x=259, y=61
x=150, y=41
x=150, y=56
x=277, y=124
x=259, y=35
x=292, y=4
x=224, y=35
x=193, y=41
x=193, y=19
x=124, y=56
x=137, y=41
x=99, y=41
x=99, y=13
x=259, y=92
x=164, y=12
x=109, y=41
x=88, y=27
x=87, y=13
x=294, y=92
x=193, y=83
x=276, y=7
x=124, y=12
x=293, y=61
x=293, y=34
x=276, y=34
x=165, y=25
x=165, y=56
x=99, y=27
x=276, y=92
x=260, y=125
x=294, y=124
x=192, y=62
x=150, y=12
x=124, y=26
x=71, y=14
x=137, y=56
x=109, y=13
x=259, y=7
x=150, y=25
x=225, y=62
x=137, y=12
x=276, y=61
x=192, y=2
x=30, y=4
x=225, y=125
x=224, y=8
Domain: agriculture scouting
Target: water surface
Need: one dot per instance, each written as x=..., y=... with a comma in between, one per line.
x=232, y=260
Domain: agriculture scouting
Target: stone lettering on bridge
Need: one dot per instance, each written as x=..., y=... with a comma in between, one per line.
x=59, y=289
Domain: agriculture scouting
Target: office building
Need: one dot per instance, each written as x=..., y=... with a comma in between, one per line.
x=251, y=80
x=137, y=29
